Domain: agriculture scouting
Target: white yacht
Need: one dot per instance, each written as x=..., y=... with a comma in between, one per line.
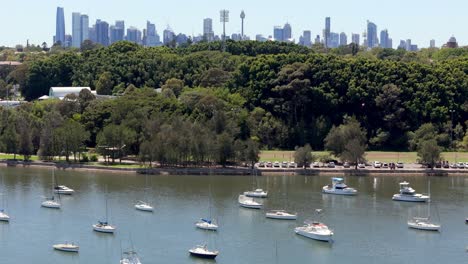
x=104, y=227
x=62, y=189
x=281, y=215
x=67, y=247
x=51, y=203
x=130, y=257
x=249, y=202
x=339, y=187
x=408, y=194
x=206, y=225
x=315, y=230
x=4, y=216
x=142, y=206
x=257, y=193
x=203, y=252
x=423, y=223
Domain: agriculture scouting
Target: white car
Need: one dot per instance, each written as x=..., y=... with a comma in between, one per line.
x=276, y=164
x=461, y=165
x=361, y=165
x=377, y=164
x=284, y=164
x=292, y=164
x=346, y=165
x=331, y=164
x=315, y=165
x=400, y=165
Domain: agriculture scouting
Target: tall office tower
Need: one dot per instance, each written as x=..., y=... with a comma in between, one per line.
x=402, y=44
x=68, y=41
x=278, y=34
x=384, y=39
x=76, y=30
x=133, y=35
x=334, y=40
x=355, y=38
x=242, y=16
x=120, y=24
x=326, y=32
x=307, y=38
x=168, y=36
x=408, y=45
x=287, y=32
x=317, y=39
x=208, y=33
x=116, y=34
x=102, y=33
x=84, y=21
x=60, y=27
x=343, y=39
x=152, y=37
x=432, y=43
x=390, y=43
x=93, y=34
x=372, y=40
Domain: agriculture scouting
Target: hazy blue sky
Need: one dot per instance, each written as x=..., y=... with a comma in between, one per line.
x=415, y=19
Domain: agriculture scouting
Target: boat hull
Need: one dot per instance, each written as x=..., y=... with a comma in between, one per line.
x=251, y=206
x=52, y=205
x=4, y=217
x=425, y=227
x=144, y=208
x=103, y=229
x=66, y=249
x=204, y=256
x=256, y=195
x=206, y=226
x=281, y=216
x=315, y=236
x=65, y=192
x=348, y=191
x=410, y=198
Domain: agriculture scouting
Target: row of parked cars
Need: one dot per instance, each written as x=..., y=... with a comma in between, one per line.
x=376, y=164
x=277, y=164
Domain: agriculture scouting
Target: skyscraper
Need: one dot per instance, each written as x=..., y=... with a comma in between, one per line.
x=76, y=30
x=60, y=26
x=372, y=39
x=317, y=39
x=334, y=41
x=102, y=33
x=208, y=33
x=432, y=43
x=307, y=38
x=134, y=35
x=326, y=32
x=355, y=38
x=117, y=32
x=278, y=34
x=84, y=20
x=343, y=39
x=384, y=40
x=168, y=36
x=287, y=32
x=242, y=16
x=152, y=37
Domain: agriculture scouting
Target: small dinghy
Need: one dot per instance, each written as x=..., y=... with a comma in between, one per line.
x=67, y=247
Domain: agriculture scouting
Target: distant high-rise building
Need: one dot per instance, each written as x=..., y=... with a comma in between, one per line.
x=452, y=43
x=402, y=44
x=327, y=32
x=343, y=39
x=384, y=40
x=260, y=38
x=372, y=39
x=120, y=24
x=355, y=38
x=68, y=41
x=432, y=43
x=152, y=37
x=102, y=33
x=334, y=41
x=84, y=21
x=168, y=36
x=408, y=45
x=208, y=32
x=76, y=30
x=390, y=43
x=278, y=34
x=317, y=39
x=93, y=34
x=60, y=26
x=116, y=34
x=134, y=35
x=287, y=32
x=307, y=38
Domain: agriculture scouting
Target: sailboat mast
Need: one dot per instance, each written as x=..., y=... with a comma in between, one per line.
x=429, y=201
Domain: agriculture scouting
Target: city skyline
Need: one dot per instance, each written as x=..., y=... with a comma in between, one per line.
x=258, y=20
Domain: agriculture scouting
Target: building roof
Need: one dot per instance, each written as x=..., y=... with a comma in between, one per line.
x=10, y=63
x=61, y=92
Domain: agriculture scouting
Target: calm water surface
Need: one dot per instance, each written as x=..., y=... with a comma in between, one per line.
x=369, y=228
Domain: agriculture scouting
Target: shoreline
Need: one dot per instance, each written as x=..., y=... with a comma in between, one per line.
x=230, y=171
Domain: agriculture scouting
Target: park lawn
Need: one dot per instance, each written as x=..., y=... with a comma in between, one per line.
x=383, y=156
x=115, y=165
x=18, y=157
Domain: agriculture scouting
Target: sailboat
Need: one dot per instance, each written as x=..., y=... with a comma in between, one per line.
x=282, y=214
x=256, y=193
x=144, y=206
x=50, y=202
x=207, y=224
x=3, y=216
x=130, y=257
x=67, y=247
x=424, y=223
x=104, y=226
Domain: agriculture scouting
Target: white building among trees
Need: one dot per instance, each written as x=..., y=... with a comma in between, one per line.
x=61, y=92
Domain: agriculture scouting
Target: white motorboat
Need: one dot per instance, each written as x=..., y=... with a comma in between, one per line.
x=51, y=203
x=423, y=224
x=281, y=215
x=249, y=202
x=142, y=206
x=67, y=247
x=203, y=252
x=104, y=227
x=315, y=230
x=130, y=257
x=257, y=193
x=408, y=194
x=339, y=187
x=62, y=189
x=206, y=225
x=4, y=216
